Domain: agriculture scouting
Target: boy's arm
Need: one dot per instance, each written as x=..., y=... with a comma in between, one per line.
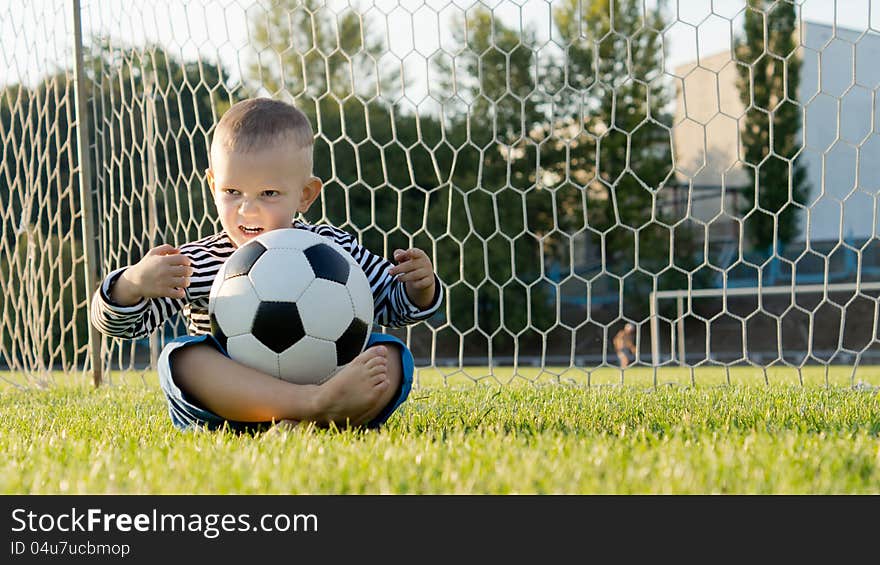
x=135, y=300
x=399, y=310
x=396, y=305
x=131, y=322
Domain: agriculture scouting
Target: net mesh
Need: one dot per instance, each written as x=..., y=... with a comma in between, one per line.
x=564, y=163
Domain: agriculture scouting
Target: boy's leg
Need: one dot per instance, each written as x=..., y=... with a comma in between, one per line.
x=207, y=388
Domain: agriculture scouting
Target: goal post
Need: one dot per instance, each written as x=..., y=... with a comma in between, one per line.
x=684, y=297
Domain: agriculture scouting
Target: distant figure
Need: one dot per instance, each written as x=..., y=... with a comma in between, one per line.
x=623, y=341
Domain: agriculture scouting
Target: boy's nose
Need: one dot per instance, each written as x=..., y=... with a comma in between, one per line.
x=246, y=207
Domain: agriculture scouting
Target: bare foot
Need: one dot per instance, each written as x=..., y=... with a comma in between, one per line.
x=353, y=393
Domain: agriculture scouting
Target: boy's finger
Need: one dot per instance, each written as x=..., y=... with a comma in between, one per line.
x=421, y=283
x=413, y=262
x=414, y=275
x=178, y=280
x=164, y=249
x=177, y=292
x=405, y=267
x=177, y=260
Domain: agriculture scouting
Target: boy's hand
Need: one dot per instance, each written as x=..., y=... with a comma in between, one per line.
x=162, y=272
x=414, y=268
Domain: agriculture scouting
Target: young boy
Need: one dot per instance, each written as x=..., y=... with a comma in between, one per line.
x=260, y=176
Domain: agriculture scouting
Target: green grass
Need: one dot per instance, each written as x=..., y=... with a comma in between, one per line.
x=536, y=434
x=811, y=375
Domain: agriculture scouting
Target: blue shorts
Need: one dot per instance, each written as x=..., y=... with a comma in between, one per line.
x=186, y=413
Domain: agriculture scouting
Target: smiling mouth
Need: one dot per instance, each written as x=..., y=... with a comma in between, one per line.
x=249, y=230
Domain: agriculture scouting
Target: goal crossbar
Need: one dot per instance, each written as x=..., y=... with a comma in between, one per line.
x=680, y=295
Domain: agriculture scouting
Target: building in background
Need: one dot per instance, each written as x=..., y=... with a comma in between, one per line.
x=840, y=78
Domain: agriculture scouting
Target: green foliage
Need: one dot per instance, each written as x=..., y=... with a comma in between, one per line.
x=303, y=54
x=43, y=320
x=478, y=439
x=41, y=268
x=36, y=184
x=132, y=92
x=496, y=214
x=611, y=132
x=769, y=75
x=150, y=116
x=524, y=158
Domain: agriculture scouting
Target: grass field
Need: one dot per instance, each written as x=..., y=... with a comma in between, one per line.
x=807, y=433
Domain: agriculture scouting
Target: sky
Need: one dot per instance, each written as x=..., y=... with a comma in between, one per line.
x=36, y=36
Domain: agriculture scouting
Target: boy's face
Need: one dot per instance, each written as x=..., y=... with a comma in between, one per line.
x=261, y=190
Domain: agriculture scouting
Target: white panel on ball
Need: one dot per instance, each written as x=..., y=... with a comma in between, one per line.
x=280, y=275
x=247, y=350
x=325, y=309
x=308, y=361
x=234, y=305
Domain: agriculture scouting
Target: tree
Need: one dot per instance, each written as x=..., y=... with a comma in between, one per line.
x=769, y=75
x=44, y=321
x=612, y=129
x=495, y=216
x=367, y=150
x=134, y=174
x=302, y=53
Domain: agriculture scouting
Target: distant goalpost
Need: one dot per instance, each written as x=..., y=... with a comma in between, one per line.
x=677, y=334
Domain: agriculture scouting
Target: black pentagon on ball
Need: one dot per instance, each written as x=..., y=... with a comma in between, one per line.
x=327, y=263
x=277, y=325
x=217, y=332
x=351, y=343
x=240, y=262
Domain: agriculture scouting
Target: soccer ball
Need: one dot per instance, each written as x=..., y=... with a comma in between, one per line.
x=292, y=304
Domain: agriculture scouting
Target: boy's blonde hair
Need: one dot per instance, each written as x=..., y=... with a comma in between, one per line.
x=252, y=124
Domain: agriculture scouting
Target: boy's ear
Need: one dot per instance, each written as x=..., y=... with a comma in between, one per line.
x=310, y=193
x=209, y=177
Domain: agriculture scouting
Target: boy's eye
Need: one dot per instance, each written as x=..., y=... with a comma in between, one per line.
x=266, y=193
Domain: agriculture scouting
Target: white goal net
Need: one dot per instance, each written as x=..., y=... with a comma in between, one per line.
x=571, y=166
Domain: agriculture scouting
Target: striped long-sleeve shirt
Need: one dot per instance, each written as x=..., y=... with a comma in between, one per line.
x=391, y=305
